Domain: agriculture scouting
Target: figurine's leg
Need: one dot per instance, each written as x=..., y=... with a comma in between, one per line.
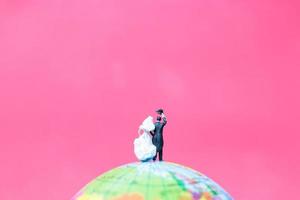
x=161, y=155
x=154, y=158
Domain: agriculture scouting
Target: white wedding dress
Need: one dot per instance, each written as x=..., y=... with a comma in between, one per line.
x=143, y=147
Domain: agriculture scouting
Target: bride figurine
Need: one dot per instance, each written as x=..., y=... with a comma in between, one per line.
x=143, y=147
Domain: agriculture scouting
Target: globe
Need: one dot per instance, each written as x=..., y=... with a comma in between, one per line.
x=152, y=181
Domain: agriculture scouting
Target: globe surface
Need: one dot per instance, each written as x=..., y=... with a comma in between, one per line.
x=152, y=181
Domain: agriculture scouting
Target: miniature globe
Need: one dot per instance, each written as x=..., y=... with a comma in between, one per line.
x=152, y=181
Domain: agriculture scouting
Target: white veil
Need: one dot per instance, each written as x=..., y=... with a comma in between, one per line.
x=148, y=124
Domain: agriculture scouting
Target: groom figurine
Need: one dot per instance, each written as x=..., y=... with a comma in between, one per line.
x=157, y=138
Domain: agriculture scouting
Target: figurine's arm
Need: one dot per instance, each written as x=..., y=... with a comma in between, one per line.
x=164, y=119
x=152, y=133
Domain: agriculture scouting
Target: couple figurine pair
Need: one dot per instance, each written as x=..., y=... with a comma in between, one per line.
x=150, y=141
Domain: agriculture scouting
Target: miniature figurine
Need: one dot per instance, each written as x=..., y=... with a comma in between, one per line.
x=143, y=147
x=158, y=140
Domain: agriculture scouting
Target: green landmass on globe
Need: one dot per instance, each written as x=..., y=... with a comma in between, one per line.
x=152, y=181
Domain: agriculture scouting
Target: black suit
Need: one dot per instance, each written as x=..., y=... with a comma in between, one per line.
x=158, y=139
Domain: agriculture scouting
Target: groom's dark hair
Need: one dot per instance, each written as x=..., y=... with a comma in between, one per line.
x=158, y=118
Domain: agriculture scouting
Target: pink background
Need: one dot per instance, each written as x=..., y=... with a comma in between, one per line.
x=78, y=77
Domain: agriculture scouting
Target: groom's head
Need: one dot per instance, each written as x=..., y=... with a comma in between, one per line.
x=158, y=118
x=159, y=111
